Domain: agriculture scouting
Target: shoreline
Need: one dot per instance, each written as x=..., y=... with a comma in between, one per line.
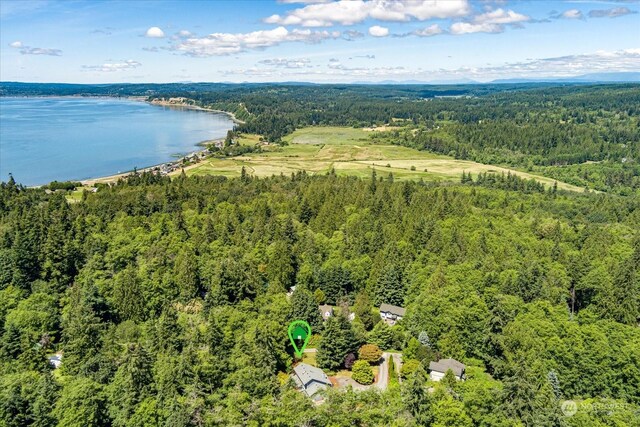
x=177, y=163
x=182, y=105
x=171, y=166
x=165, y=168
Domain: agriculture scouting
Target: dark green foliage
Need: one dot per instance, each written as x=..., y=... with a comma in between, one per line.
x=131, y=384
x=362, y=308
x=381, y=335
x=168, y=300
x=81, y=404
x=304, y=307
x=44, y=403
x=390, y=287
x=338, y=340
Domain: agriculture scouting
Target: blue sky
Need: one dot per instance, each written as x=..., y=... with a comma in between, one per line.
x=319, y=41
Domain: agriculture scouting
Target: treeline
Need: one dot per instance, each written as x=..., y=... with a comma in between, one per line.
x=167, y=299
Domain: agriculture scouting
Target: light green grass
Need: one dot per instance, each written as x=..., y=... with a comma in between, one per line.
x=309, y=358
x=75, y=196
x=331, y=135
x=248, y=139
x=349, y=151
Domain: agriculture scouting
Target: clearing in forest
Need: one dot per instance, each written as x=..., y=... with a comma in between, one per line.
x=349, y=151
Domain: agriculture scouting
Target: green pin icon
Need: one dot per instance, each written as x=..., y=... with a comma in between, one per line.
x=299, y=334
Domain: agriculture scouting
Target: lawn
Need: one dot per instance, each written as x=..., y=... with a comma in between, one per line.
x=331, y=135
x=309, y=358
x=348, y=151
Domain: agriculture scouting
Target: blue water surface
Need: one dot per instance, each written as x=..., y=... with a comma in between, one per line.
x=46, y=139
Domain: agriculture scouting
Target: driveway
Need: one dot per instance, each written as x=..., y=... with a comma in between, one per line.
x=383, y=372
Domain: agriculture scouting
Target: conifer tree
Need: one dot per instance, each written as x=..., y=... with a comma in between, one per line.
x=338, y=340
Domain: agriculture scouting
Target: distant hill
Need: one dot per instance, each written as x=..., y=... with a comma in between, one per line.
x=584, y=78
x=419, y=82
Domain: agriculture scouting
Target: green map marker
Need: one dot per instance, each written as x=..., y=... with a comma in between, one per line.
x=299, y=334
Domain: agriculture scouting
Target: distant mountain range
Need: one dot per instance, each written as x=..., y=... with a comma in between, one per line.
x=584, y=78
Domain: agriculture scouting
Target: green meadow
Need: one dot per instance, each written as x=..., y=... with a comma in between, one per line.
x=349, y=151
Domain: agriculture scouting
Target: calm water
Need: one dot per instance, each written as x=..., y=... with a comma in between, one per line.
x=46, y=139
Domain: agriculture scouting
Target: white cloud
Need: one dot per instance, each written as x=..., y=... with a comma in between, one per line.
x=565, y=66
x=228, y=43
x=610, y=13
x=378, y=31
x=287, y=63
x=431, y=30
x=154, y=33
x=571, y=14
x=349, y=12
x=26, y=50
x=500, y=16
x=41, y=51
x=303, y=1
x=493, y=21
x=109, y=67
x=468, y=28
x=351, y=35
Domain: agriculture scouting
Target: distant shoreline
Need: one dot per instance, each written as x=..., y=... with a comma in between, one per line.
x=179, y=103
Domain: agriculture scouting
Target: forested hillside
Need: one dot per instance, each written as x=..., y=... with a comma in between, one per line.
x=167, y=299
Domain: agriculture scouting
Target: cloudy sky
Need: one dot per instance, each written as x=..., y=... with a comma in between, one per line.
x=317, y=41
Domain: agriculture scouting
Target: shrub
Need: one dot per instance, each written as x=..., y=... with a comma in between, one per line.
x=408, y=368
x=349, y=360
x=362, y=373
x=370, y=353
x=393, y=375
x=413, y=168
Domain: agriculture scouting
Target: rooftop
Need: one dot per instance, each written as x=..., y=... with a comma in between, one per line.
x=393, y=309
x=443, y=365
x=307, y=373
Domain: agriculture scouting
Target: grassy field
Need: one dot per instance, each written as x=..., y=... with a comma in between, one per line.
x=349, y=151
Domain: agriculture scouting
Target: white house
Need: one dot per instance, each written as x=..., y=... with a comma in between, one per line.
x=326, y=311
x=391, y=313
x=310, y=379
x=439, y=368
x=55, y=360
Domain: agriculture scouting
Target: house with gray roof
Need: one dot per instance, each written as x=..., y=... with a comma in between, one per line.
x=310, y=379
x=439, y=368
x=391, y=313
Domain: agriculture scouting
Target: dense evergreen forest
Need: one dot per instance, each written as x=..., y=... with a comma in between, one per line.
x=167, y=299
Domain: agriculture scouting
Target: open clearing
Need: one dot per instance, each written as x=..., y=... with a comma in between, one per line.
x=349, y=151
